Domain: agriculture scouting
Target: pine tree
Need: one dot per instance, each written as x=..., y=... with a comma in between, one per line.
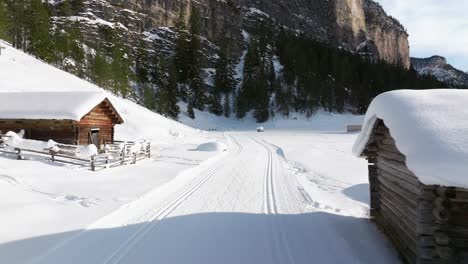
x=149, y=100
x=77, y=5
x=190, y=111
x=77, y=53
x=99, y=70
x=65, y=8
x=38, y=26
x=262, y=105
x=197, y=96
x=181, y=57
x=120, y=67
x=227, y=105
x=166, y=102
x=224, y=78
x=4, y=21
x=215, y=106
x=194, y=67
x=143, y=71
x=17, y=26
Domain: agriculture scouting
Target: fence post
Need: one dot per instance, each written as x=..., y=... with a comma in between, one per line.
x=123, y=155
x=93, y=168
x=52, y=154
x=148, y=149
x=19, y=154
x=134, y=158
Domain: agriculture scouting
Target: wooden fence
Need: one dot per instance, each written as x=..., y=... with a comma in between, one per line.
x=112, y=155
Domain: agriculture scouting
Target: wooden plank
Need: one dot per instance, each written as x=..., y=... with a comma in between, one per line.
x=391, y=155
x=398, y=169
x=403, y=193
x=407, y=224
x=390, y=230
x=409, y=208
x=402, y=183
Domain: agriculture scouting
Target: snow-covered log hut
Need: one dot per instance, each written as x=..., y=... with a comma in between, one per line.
x=416, y=143
x=78, y=118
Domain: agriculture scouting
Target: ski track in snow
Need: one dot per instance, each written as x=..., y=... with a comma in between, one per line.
x=252, y=179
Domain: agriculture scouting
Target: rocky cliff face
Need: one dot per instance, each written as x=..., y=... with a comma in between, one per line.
x=355, y=25
x=389, y=36
x=438, y=67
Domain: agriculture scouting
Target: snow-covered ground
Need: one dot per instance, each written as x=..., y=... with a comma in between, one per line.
x=40, y=198
x=293, y=194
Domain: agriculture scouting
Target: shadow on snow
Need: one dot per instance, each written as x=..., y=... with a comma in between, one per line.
x=217, y=238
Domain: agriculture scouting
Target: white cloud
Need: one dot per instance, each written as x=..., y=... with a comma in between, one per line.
x=436, y=27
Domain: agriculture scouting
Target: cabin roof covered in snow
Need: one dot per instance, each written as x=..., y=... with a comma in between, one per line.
x=58, y=95
x=49, y=105
x=430, y=128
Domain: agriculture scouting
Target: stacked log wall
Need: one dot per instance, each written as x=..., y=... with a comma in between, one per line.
x=427, y=224
x=100, y=117
x=61, y=131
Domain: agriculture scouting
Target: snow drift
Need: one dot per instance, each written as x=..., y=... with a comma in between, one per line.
x=211, y=146
x=430, y=128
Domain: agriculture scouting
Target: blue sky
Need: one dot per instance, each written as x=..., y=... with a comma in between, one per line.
x=436, y=27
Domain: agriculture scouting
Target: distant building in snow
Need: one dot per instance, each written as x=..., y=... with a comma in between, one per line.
x=416, y=143
x=78, y=118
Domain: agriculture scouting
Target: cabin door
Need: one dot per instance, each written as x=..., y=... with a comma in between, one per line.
x=94, y=137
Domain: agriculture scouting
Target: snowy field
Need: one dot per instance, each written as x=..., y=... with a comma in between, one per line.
x=293, y=194
x=222, y=211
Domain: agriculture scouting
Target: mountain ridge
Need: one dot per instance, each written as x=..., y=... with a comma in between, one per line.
x=438, y=67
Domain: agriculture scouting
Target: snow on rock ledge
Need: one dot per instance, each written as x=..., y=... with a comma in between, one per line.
x=430, y=128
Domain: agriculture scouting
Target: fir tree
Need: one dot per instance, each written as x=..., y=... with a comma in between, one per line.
x=262, y=104
x=99, y=70
x=224, y=78
x=4, y=21
x=181, y=57
x=215, y=106
x=194, y=67
x=77, y=5
x=190, y=111
x=120, y=67
x=149, y=100
x=65, y=8
x=227, y=105
x=166, y=103
x=38, y=27
x=143, y=71
x=17, y=29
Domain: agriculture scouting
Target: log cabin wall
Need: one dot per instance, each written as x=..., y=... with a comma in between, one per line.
x=99, y=118
x=61, y=131
x=426, y=224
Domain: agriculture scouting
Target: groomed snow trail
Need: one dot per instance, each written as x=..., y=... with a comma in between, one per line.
x=244, y=207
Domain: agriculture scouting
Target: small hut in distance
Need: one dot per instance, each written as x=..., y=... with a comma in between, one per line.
x=416, y=143
x=78, y=118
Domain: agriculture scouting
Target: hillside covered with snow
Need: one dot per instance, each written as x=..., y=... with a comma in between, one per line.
x=22, y=73
x=65, y=197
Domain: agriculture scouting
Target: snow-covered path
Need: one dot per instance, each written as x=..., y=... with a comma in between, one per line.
x=243, y=207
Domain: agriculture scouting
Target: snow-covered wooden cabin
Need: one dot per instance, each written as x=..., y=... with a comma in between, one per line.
x=416, y=143
x=78, y=118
